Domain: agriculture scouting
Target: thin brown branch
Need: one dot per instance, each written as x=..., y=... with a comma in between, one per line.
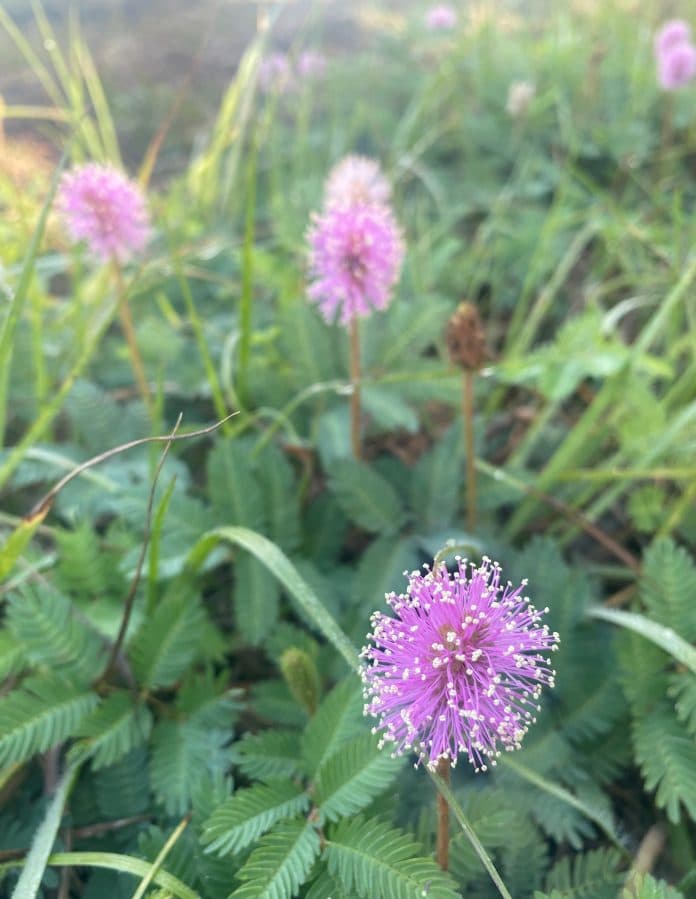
x=130, y=598
x=44, y=504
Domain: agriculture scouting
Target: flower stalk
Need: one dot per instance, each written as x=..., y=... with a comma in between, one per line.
x=355, y=375
x=442, y=849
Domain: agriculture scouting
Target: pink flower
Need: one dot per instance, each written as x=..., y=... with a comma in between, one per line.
x=275, y=74
x=311, y=64
x=356, y=179
x=459, y=666
x=441, y=18
x=104, y=208
x=670, y=35
x=677, y=67
x=356, y=253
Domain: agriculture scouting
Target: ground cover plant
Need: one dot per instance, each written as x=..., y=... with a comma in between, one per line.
x=347, y=466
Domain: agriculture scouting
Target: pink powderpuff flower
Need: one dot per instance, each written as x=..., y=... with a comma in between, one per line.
x=355, y=259
x=441, y=18
x=459, y=667
x=670, y=35
x=311, y=65
x=104, y=208
x=677, y=66
x=275, y=74
x=356, y=180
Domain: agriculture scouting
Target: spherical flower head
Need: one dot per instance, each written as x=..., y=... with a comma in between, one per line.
x=677, y=67
x=356, y=180
x=520, y=95
x=104, y=208
x=441, y=18
x=275, y=74
x=460, y=666
x=670, y=35
x=355, y=259
x=311, y=64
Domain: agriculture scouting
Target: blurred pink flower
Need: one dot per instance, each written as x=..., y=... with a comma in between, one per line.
x=441, y=18
x=356, y=179
x=355, y=259
x=275, y=74
x=104, y=208
x=677, y=67
x=311, y=64
x=670, y=35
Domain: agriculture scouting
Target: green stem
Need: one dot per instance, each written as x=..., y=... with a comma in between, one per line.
x=355, y=375
x=216, y=390
x=470, y=834
x=129, y=333
x=469, y=449
x=442, y=851
x=246, y=300
x=159, y=861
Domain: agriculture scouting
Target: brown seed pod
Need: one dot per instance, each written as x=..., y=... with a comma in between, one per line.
x=466, y=338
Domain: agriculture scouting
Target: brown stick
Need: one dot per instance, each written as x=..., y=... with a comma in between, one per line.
x=468, y=415
x=130, y=598
x=443, y=769
x=355, y=384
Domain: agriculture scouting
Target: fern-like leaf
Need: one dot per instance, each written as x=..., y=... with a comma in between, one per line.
x=589, y=875
x=182, y=752
x=379, y=862
x=45, y=711
x=354, y=776
x=280, y=864
x=368, y=499
x=42, y=621
x=251, y=812
x=270, y=754
x=666, y=754
x=668, y=585
x=336, y=721
x=167, y=643
x=114, y=728
x=644, y=886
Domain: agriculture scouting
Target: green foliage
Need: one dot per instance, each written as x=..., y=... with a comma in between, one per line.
x=592, y=875
x=270, y=754
x=113, y=729
x=44, y=711
x=50, y=634
x=333, y=725
x=250, y=813
x=644, y=886
x=569, y=225
x=281, y=862
x=352, y=776
x=170, y=639
x=366, y=498
x=376, y=860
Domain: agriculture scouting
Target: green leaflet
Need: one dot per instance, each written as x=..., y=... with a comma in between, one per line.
x=353, y=777
x=666, y=754
x=590, y=875
x=270, y=754
x=373, y=859
x=51, y=635
x=366, y=498
x=168, y=641
x=115, y=727
x=335, y=722
x=280, y=864
x=249, y=813
x=43, y=712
